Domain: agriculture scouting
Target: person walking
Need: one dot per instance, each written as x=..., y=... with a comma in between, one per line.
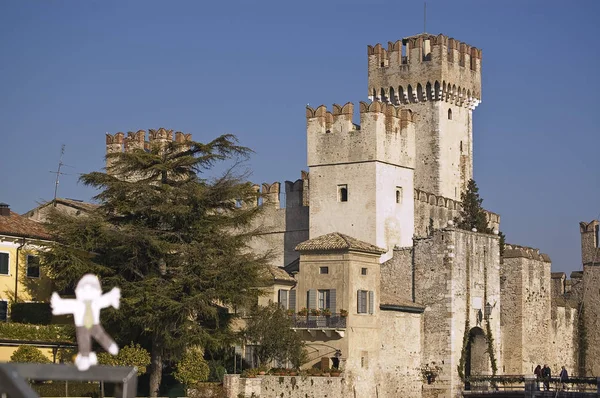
x=538, y=376
x=564, y=377
x=546, y=374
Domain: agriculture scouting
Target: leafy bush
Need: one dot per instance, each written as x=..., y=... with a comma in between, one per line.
x=75, y=389
x=28, y=354
x=217, y=371
x=270, y=329
x=21, y=331
x=34, y=313
x=192, y=368
x=130, y=355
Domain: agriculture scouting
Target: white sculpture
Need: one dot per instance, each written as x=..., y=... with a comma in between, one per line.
x=86, y=313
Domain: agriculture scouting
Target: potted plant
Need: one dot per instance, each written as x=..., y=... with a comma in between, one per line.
x=315, y=312
x=303, y=312
x=343, y=313
x=290, y=312
x=326, y=312
x=262, y=371
x=335, y=373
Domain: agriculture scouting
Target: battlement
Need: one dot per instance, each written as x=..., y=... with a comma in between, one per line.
x=137, y=140
x=591, y=226
x=516, y=251
x=386, y=133
x=425, y=68
x=271, y=193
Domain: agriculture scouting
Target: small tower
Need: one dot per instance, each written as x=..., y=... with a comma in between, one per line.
x=361, y=176
x=590, y=242
x=439, y=79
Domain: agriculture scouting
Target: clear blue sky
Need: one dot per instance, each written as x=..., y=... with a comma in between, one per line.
x=72, y=70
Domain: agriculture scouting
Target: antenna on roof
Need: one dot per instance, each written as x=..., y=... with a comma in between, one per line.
x=58, y=172
x=424, y=17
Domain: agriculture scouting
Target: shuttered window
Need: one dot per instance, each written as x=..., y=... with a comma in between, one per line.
x=365, y=302
x=332, y=299
x=292, y=301
x=311, y=299
x=283, y=299
x=323, y=299
x=3, y=263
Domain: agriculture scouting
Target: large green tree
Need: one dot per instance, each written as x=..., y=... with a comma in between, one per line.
x=472, y=214
x=174, y=241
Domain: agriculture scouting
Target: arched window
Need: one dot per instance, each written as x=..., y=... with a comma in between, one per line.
x=449, y=114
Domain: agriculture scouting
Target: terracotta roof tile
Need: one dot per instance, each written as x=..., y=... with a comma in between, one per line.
x=16, y=225
x=338, y=241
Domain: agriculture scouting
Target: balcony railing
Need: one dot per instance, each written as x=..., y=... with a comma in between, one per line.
x=334, y=321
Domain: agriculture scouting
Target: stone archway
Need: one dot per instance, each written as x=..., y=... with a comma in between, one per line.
x=478, y=360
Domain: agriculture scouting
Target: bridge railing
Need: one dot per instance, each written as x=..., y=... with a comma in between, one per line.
x=14, y=378
x=531, y=383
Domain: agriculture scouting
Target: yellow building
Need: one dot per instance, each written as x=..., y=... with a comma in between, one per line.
x=21, y=279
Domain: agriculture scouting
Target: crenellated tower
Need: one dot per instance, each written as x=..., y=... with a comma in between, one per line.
x=137, y=141
x=361, y=176
x=438, y=78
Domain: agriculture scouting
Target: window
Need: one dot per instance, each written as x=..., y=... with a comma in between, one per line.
x=323, y=270
x=342, y=193
x=33, y=267
x=461, y=150
x=363, y=271
x=323, y=299
x=366, y=301
x=398, y=194
x=364, y=359
x=283, y=299
x=449, y=114
x=3, y=310
x=3, y=263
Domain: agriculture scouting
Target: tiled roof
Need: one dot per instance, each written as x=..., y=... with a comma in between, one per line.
x=16, y=225
x=277, y=274
x=338, y=241
x=77, y=204
x=394, y=302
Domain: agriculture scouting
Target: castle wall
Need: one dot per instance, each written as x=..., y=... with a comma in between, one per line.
x=564, y=343
x=434, y=212
x=456, y=273
x=288, y=386
x=280, y=230
x=591, y=319
x=397, y=274
x=400, y=358
x=526, y=309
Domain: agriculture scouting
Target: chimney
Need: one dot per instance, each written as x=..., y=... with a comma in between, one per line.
x=4, y=209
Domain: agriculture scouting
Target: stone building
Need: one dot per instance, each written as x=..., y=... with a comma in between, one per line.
x=383, y=284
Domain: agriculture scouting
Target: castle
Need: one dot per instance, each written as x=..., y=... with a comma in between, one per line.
x=366, y=235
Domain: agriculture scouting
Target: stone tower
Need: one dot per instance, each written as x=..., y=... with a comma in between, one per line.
x=439, y=79
x=361, y=176
x=590, y=256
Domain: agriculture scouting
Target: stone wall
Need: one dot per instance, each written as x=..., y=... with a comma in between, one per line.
x=287, y=386
x=281, y=229
x=456, y=272
x=434, y=212
x=563, y=347
x=397, y=274
x=400, y=358
x=591, y=319
x=525, y=309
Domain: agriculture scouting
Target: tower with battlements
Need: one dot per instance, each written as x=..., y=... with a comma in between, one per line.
x=361, y=176
x=439, y=79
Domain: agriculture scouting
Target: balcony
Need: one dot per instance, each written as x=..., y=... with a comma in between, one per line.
x=327, y=324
